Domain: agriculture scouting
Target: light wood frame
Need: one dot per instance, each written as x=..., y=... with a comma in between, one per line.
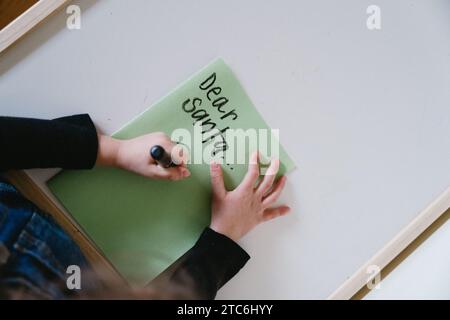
x=27, y=21
x=394, y=247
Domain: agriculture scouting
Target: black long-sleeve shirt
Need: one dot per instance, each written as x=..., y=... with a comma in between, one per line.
x=72, y=143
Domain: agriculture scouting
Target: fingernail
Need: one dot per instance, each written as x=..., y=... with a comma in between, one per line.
x=288, y=209
x=186, y=173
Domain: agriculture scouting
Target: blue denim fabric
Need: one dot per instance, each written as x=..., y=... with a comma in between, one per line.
x=35, y=251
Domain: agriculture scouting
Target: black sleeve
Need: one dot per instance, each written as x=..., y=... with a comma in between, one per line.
x=205, y=268
x=69, y=143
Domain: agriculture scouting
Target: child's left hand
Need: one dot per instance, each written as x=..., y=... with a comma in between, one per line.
x=133, y=155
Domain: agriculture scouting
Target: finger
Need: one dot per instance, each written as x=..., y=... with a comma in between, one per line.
x=217, y=185
x=172, y=173
x=275, y=193
x=273, y=213
x=269, y=177
x=253, y=171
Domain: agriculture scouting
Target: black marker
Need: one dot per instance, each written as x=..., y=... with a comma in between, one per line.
x=162, y=157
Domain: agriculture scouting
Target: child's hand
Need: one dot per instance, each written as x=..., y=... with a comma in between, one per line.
x=134, y=155
x=236, y=212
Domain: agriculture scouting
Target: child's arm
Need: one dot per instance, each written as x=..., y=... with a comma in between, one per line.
x=69, y=142
x=73, y=143
x=216, y=257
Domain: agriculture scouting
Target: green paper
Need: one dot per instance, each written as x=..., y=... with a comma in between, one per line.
x=142, y=225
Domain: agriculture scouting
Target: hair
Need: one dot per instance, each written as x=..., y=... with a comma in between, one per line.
x=163, y=288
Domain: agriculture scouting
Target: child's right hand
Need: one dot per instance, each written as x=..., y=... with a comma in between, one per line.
x=235, y=213
x=133, y=155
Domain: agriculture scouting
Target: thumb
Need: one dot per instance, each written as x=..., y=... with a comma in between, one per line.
x=217, y=185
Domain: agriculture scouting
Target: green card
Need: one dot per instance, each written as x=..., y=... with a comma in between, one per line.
x=143, y=225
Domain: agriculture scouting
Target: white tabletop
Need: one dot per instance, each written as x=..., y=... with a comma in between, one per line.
x=364, y=114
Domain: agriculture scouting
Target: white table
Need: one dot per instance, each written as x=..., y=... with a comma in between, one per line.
x=364, y=114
